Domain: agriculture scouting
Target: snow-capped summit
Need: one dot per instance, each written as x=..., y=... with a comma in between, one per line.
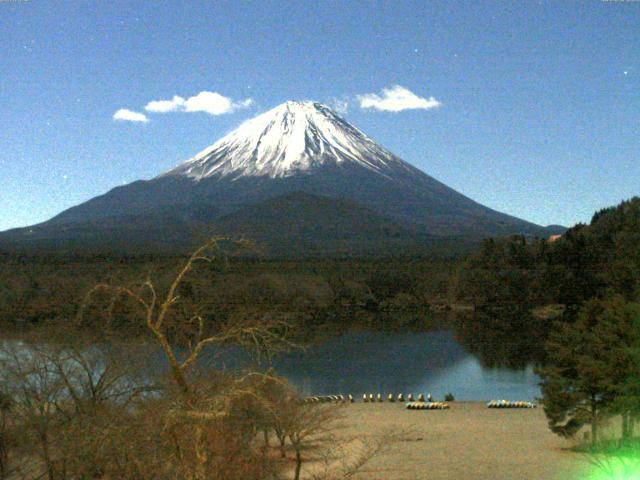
x=294, y=137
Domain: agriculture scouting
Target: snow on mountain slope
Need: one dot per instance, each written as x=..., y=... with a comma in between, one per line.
x=294, y=137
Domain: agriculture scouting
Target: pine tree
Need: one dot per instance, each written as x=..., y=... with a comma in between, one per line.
x=592, y=368
x=576, y=386
x=621, y=327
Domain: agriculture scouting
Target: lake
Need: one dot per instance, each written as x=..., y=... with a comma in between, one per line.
x=360, y=362
x=376, y=362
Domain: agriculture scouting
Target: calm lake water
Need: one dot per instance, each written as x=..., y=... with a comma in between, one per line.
x=375, y=362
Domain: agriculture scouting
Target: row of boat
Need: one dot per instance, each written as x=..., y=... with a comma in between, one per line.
x=508, y=404
x=329, y=399
x=427, y=406
x=400, y=398
x=368, y=398
x=422, y=402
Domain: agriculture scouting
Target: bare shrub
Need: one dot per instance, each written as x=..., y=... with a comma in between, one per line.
x=63, y=397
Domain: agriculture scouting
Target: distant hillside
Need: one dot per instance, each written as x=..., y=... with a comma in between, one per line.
x=303, y=224
x=293, y=225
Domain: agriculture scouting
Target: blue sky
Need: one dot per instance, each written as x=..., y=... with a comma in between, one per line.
x=539, y=111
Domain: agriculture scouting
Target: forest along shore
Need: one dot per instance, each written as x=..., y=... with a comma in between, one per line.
x=468, y=438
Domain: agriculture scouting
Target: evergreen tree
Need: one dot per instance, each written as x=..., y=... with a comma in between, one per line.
x=592, y=368
x=621, y=326
x=575, y=384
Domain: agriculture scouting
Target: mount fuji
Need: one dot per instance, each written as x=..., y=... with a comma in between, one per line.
x=296, y=179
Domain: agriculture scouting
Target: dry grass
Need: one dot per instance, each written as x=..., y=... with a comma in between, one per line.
x=468, y=441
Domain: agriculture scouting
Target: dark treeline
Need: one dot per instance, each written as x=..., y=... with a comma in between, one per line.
x=585, y=262
x=323, y=293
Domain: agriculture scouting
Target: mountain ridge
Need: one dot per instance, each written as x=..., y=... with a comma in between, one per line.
x=295, y=147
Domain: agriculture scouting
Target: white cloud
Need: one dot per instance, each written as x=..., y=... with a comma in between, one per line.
x=339, y=105
x=163, y=106
x=246, y=103
x=396, y=99
x=130, y=116
x=212, y=103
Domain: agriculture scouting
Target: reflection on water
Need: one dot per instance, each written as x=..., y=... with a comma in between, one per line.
x=511, y=337
x=368, y=362
x=372, y=362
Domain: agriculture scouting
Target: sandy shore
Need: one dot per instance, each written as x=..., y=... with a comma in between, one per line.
x=469, y=441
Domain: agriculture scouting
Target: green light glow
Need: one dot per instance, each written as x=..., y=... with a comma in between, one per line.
x=610, y=468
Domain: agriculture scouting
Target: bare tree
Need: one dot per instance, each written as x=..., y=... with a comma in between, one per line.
x=309, y=427
x=264, y=333
x=36, y=395
x=205, y=412
x=5, y=407
x=63, y=396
